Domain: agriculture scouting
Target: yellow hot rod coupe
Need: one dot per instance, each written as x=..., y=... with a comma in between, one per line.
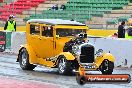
x=61, y=44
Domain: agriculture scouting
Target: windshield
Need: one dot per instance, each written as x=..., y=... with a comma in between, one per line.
x=69, y=32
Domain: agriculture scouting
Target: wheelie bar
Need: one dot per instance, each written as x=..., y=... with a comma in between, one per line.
x=98, y=78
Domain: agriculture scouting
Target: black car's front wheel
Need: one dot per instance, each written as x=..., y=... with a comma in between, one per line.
x=107, y=67
x=64, y=66
x=24, y=60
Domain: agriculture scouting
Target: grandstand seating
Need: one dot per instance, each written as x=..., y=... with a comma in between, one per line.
x=113, y=19
x=96, y=12
x=17, y=7
x=82, y=10
x=123, y=18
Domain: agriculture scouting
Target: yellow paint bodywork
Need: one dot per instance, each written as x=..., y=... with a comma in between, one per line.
x=100, y=59
x=33, y=59
x=101, y=33
x=42, y=49
x=32, y=54
x=72, y=27
x=97, y=63
x=68, y=55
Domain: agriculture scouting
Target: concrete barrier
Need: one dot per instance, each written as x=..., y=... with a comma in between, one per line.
x=17, y=39
x=8, y=40
x=120, y=48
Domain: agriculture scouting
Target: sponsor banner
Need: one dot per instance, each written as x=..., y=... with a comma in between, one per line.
x=98, y=78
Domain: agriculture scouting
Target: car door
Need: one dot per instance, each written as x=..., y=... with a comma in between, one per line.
x=34, y=38
x=46, y=42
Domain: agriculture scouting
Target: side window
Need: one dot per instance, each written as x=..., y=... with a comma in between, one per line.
x=47, y=31
x=35, y=29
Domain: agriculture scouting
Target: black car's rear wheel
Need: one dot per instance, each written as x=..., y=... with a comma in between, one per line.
x=64, y=66
x=107, y=67
x=24, y=60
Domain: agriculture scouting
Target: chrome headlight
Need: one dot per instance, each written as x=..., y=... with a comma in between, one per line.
x=99, y=52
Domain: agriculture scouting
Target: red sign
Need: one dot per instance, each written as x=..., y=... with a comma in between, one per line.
x=2, y=41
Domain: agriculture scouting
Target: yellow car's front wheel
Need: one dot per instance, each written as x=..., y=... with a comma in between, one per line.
x=106, y=67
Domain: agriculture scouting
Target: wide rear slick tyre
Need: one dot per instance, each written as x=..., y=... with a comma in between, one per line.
x=64, y=66
x=24, y=60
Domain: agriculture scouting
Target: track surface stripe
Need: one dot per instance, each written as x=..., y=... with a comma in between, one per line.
x=14, y=83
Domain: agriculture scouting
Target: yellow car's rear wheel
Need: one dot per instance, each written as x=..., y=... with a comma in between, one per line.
x=24, y=60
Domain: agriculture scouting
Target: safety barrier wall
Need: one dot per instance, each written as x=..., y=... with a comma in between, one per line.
x=99, y=32
x=11, y=41
x=17, y=39
x=120, y=48
x=18, y=28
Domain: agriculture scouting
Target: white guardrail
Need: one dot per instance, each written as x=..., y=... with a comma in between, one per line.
x=120, y=48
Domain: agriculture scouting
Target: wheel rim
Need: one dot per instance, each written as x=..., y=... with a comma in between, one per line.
x=104, y=66
x=24, y=59
x=62, y=65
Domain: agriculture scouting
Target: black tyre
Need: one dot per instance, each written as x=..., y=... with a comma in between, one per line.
x=81, y=80
x=129, y=79
x=24, y=60
x=107, y=67
x=64, y=66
